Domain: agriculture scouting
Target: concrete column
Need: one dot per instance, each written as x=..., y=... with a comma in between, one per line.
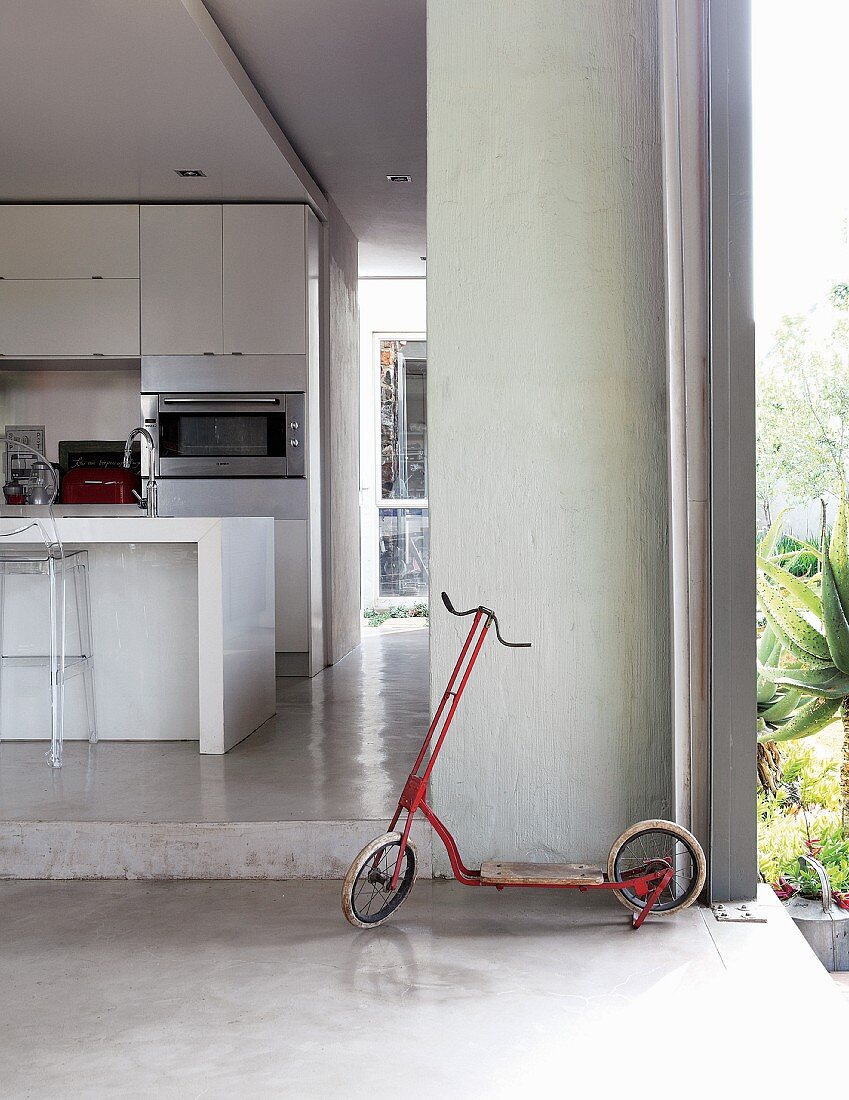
x=548, y=470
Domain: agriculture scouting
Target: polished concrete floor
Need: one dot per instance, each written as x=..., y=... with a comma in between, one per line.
x=261, y=990
x=339, y=749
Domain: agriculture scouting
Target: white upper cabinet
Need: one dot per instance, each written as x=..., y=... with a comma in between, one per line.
x=69, y=317
x=69, y=242
x=213, y=279
x=228, y=279
x=264, y=261
x=181, y=304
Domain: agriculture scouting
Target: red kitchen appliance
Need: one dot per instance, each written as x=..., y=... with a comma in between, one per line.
x=99, y=485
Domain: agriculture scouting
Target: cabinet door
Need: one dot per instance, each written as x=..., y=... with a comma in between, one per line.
x=264, y=279
x=69, y=242
x=292, y=585
x=181, y=280
x=69, y=317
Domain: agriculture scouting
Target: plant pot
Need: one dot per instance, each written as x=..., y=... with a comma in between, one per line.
x=824, y=926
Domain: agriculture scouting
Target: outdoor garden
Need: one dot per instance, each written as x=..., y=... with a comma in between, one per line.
x=803, y=599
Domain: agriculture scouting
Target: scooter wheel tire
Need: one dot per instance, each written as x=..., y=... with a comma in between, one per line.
x=650, y=841
x=367, y=900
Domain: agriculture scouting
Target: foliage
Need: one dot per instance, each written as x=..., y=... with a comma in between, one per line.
x=795, y=671
x=839, y=296
x=803, y=596
x=374, y=617
x=803, y=405
x=796, y=559
x=804, y=818
x=811, y=776
x=786, y=837
x=804, y=647
x=831, y=848
x=790, y=461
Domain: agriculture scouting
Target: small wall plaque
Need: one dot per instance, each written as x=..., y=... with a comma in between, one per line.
x=19, y=462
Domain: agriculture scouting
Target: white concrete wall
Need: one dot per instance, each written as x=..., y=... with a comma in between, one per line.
x=547, y=418
x=342, y=380
x=395, y=306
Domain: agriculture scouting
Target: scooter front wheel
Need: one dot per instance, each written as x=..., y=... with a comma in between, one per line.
x=367, y=899
x=651, y=844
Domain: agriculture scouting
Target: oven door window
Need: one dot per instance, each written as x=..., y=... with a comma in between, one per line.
x=222, y=435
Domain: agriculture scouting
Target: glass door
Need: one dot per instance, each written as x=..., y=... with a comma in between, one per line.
x=403, y=538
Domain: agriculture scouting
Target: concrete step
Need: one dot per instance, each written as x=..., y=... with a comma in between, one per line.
x=191, y=850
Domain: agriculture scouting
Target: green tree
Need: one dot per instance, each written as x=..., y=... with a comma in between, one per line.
x=803, y=406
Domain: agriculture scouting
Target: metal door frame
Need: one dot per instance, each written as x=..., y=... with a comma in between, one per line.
x=733, y=826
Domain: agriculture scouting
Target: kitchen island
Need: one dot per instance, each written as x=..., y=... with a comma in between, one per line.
x=182, y=624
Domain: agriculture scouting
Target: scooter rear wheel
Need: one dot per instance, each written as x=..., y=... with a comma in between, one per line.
x=649, y=842
x=367, y=900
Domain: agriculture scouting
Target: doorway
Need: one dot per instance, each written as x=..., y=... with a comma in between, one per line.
x=801, y=251
x=394, y=513
x=401, y=480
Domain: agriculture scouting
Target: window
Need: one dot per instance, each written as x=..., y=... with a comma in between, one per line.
x=404, y=547
x=402, y=496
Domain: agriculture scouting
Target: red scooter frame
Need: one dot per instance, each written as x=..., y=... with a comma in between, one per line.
x=647, y=881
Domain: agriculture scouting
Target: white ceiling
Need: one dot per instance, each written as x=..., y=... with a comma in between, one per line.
x=345, y=79
x=103, y=99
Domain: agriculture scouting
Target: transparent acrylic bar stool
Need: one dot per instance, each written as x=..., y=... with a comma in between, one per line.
x=58, y=566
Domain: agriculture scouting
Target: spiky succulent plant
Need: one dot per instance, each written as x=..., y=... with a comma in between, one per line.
x=805, y=644
x=803, y=655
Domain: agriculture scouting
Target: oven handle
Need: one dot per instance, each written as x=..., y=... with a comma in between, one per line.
x=220, y=400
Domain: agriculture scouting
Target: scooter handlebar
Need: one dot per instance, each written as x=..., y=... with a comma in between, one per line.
x=451, y=608
x=486, y=611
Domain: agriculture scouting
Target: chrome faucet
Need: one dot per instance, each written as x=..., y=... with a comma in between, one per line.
x=149, y=501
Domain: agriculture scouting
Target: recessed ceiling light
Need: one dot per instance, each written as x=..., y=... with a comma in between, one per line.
x=400, y=179
x=193, y=173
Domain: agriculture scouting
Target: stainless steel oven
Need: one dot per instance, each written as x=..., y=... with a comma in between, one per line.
x=212, y=435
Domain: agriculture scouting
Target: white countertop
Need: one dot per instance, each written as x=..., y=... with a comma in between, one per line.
x=118, y=529
x=132, y=511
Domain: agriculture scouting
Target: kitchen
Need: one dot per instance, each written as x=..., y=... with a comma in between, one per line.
x=164, y=359
x=180, y=254
x=200, y=323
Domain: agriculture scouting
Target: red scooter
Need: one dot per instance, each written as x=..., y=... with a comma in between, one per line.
x=654, y=867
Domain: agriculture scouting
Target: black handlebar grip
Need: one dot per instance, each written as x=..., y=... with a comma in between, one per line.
x=460, y=614
x=454, y=611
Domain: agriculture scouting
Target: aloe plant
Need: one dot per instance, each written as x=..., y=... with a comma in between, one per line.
x=805, y=645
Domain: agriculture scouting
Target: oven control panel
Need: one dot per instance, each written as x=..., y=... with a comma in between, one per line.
x=295, y=449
